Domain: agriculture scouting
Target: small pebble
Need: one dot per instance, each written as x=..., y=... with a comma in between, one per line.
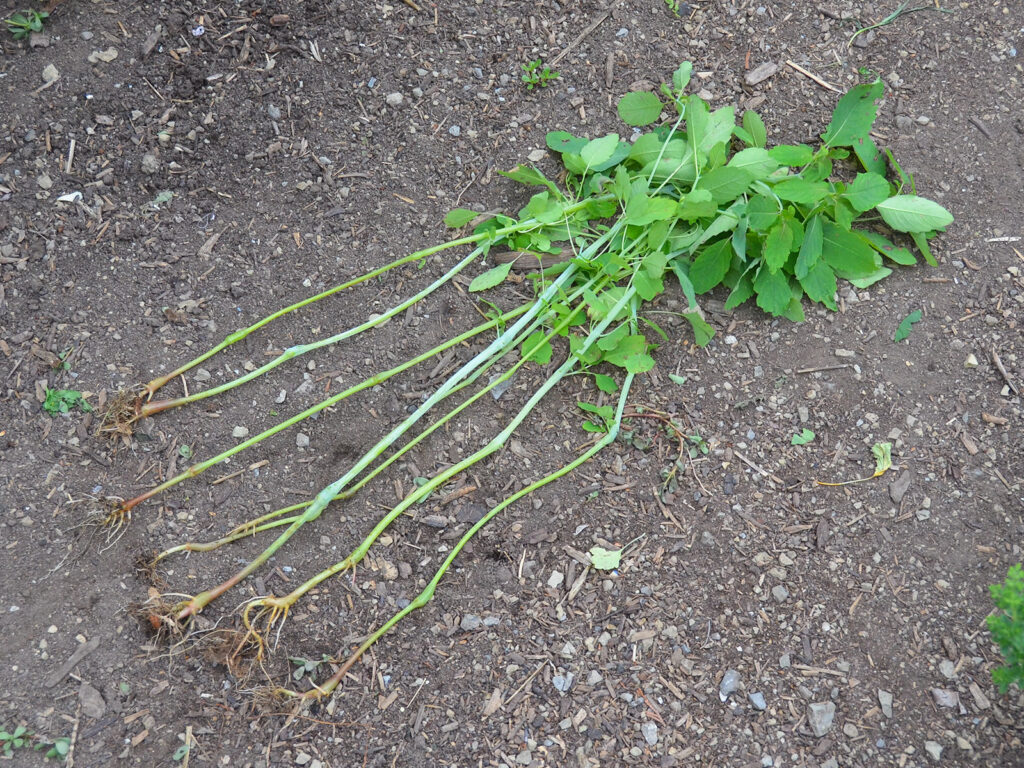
x=455, y=130
x=394, y=99
x=820, y=715
x=650, y=732
x=757, y=701
x=274, y=112
x=302, y=440
x=780, y=593
x=470, y=623
x=730, y=682
x=240, y=432
x=50, y=73
x=934, y=750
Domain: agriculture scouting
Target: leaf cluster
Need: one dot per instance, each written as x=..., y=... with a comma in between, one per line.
x=706, y=201
x=64, y=400
x=23, y=23
x=1007, y=628
x=21, y=738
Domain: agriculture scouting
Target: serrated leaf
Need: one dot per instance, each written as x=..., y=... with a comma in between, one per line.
x=777, y=246
x=696, y=205
x=459, y=217
x=791, y=154
x=762, y=213
x=819, y=283
x=490, y=278
x=598, y=151
x=802, y=438
x=540, y=346
x=718, y=130
x=702, y=330
x=866, y=191
x=710, y=266
x=801, y=191
x=910, y=213
x=756, y=161
x=606, y=383
x=754, y=125
x=725, y=184
x=854, y=115
x=605, y=559
x=639, y=108
x=773, y=291
x=848, y=254
x=905, y=326
x=741, y=292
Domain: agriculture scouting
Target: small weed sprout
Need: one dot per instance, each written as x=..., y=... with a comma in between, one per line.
x=22, y=738
x=533, y=75
x=673, y=5
x=23, y=23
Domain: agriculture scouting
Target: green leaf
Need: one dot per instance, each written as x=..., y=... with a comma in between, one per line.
x=540, y=346
x=754, y=125
x=605, y=559
x=647, y=287
x=606, y=383
x=718, y=129
x=848, y=254
x=64, y=400
x=756, y=161
x=681, y=77
x=564, y=142
x=777, y=246
x=870, y=156
x=910, y=213
x=810, y=248
x=725, y=184
x=791, y=154
x=490, y=278
x=906, y=324
x=710, y=266
x=762, y=213
x=531, y=177
x=180, y=752
x=883, y=458
x=866, y=191
x=642, y=210
x=702, y=330
x=819, y=283
x=866, y=281
x=741, y=292
x=921, y=241
x=598, y=151
x=639, y=363
x=675, y=378
x=801, y=191
x=885, y=247
x=854, y=115
x=626, y=348
x=773, y=291
x=459, y=217
x=697, y=205
x=639, y=108
x=802, y=438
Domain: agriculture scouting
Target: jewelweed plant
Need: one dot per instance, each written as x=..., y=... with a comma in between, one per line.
x=699, y=200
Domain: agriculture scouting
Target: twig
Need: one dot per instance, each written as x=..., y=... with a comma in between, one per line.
x=836, y=367
x=69, y=761
x=999, y=366
x=980, y=126
x=412, y=5
x=812, y=76
x=754, y=466
x=579, y=38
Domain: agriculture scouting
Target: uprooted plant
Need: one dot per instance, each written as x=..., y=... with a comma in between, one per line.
x=699, y=199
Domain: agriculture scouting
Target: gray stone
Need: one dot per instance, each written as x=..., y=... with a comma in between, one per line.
x=471, y=622
x=240, y=432
x=934, y=750
x=92, y=701
x=650, y=732
x=730, y=682
x=945, y=698
x=780, y=593
x=50, y=73
x=898, y=487
x=757, y=701
x=302, y=440
x=885, y=701
x=820, y=715
x=761, y=73
x=394, y=99
x=150, y=163
x=948, y=669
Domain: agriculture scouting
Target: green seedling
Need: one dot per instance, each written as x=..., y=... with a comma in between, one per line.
x=901, y=10
x=1007, y=628
x=536, y=76
x=673, y=6
x=803, y=437
x=23, y=23
x=883, y=463
x=699, y=203
x=64, y=400
x=22, y=738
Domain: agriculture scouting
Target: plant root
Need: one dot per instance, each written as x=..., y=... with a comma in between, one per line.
x=120, y=417
x=272, y=612
x=159, y=618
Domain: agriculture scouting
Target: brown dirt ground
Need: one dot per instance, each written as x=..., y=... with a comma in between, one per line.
x=290, y=171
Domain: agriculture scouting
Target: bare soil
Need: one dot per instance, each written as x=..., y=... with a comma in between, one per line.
x=289, y=170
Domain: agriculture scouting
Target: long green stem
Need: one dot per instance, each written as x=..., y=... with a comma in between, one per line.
x=235, y=535
x=152, y=408
x=496, y=443
x=199, y=468
x=150, y=389
x=427, y=594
